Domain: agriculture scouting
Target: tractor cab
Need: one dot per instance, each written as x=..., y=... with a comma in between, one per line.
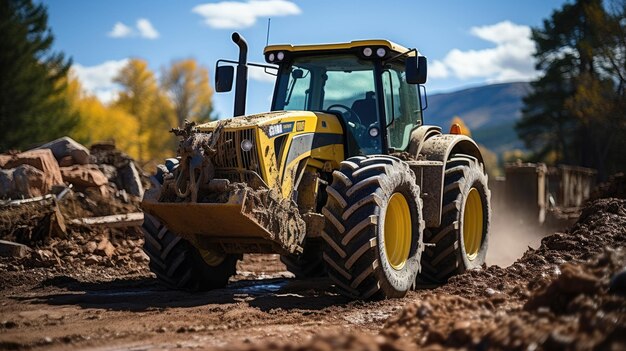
x=371, y=85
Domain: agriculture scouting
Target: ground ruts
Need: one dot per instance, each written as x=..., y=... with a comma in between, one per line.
x=554, y=297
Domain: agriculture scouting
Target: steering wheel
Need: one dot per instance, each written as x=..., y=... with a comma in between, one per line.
x=350, y=114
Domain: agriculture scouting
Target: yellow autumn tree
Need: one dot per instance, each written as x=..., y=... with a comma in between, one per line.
x=464, y=129
x=142, y=98
x=98, y=122
x=187, y=86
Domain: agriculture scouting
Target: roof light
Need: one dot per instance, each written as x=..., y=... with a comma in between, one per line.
x=271, y=57
x=367, y=52
x=280, y=56
x=381, y=52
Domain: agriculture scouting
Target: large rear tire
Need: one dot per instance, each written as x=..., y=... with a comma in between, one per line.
x=373, y=229
x=179, y=265
x=460, y=242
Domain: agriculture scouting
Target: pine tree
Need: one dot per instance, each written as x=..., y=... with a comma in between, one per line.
x=32, y=78
x=576, y=108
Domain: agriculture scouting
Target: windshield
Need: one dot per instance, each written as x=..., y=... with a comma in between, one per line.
x=343, y=84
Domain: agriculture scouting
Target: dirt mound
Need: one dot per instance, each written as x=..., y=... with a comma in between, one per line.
x=614, y=187
x=555, y=297
x=348, y=342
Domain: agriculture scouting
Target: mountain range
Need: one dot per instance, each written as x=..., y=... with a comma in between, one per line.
x=489, y=111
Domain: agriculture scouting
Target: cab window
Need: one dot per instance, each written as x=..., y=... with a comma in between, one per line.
x=402, y=108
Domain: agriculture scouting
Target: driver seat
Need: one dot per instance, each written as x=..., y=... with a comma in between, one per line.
x=366, y=108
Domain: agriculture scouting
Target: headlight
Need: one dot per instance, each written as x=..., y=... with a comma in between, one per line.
x=374, y=132
x=367, y=52
x=271, y=57
x=381, y=52
x=246, y=145
x=280, y=56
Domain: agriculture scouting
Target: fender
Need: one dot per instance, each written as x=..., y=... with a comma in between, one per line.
x=419, y=135
x=434, y=152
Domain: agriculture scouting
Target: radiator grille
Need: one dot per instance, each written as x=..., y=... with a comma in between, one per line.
x=231, y=161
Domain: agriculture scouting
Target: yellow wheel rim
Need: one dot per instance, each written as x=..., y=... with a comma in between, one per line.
x=212, y=258
x=473, y=224
x=397, y=231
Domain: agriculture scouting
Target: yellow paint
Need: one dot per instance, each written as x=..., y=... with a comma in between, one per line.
x=338, y=46
x=307, y=122
x=473, y=224
x=397, y=231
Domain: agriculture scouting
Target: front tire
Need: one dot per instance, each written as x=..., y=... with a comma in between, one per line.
x=373, y=228
x=460, y=242
x=179, y=265
x=309, y=264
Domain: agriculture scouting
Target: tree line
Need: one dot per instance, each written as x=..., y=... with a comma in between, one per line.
x=41, y=98
x=575, y=113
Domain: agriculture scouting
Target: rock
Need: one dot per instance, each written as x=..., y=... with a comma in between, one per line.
x=57, y=224
x=11, y=249
x=105, y=248
x=66, y=161
x=575, y=280
x=91, y=260
x=109, y=171
x=140, y=257
x=23, y=181
x=90, y=247
x=43, y=160
x=66, y=146
x=84, y=176
x=131, y=179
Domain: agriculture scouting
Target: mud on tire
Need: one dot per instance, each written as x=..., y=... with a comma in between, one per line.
x=355, y=254
x=447, y=256
x=178, y=264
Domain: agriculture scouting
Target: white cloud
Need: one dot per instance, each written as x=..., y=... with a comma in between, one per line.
x=437, y=69
x=258, y=74
x=235, y=14
x=98, y=80
x=511, y=58
x=120, y=30
x=143, y=28
x=146, y=30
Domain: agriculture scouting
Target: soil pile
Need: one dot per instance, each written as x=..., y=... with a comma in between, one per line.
x=95, y=183
x=614, y=187
x=567, y=294
x=555, y=297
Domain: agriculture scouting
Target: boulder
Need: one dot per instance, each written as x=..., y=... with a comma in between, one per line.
x=84, y=176
x=23, y=181
x=131, y=179
x=4, y=159
x=67, y=147
x=43, y=160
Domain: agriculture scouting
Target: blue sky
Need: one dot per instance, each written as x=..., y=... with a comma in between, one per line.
x=467, y=42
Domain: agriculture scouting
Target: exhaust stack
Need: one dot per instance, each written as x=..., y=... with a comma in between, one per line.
x=241, y=85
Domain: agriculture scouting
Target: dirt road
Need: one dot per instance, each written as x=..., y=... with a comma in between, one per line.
x=558, y=296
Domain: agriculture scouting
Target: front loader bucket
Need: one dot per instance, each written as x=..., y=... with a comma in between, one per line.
x=217, y=222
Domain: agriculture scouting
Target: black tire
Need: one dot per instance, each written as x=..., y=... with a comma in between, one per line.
x=355, y=254
x=178, y=264
x=307, y=265
x=446, y=255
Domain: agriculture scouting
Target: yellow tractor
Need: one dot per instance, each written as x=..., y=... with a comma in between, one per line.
x=342, y=178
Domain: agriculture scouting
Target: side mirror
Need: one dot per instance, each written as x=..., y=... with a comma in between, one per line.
x=297, y=74
x=416, y=69
x=224, y=78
